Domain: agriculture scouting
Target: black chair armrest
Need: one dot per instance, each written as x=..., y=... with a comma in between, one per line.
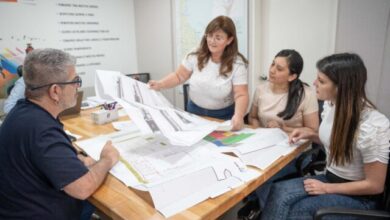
x=313, y=159
x=363, y=214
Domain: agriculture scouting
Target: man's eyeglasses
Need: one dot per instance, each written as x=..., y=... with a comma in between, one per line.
x=77, y=80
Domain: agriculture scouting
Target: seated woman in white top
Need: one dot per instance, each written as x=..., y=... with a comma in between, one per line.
x=356, y=139
x=285, y=101
x=217, y=75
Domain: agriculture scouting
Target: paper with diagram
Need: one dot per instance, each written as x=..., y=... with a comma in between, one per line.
x=256, y=147
x=176, y=177
x=151, y=111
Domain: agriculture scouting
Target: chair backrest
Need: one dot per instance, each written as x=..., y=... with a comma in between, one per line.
x=19, y=70
x=385, y=203
x=9, y=89
x=312, y=160
x=74, y=109
x=320, y=108
x=143, y=77
x=186, y=87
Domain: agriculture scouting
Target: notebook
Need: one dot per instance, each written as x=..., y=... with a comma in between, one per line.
x=75, y=109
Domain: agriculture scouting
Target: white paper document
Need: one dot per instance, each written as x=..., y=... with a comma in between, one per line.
x=260, y=147
x=128, y=126
x=139, y=92
x=181, y=128
x=151, y=111
x=263, y=138
x=264, y=157
x=176, y=177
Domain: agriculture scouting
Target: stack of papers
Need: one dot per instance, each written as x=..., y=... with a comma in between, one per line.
x=176, y=177
x=151, y=111
x=257, y=147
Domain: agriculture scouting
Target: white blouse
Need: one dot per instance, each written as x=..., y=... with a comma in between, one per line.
x=210, y=90
x=372, y=143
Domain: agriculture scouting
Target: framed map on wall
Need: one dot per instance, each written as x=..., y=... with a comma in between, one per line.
x=192, y=16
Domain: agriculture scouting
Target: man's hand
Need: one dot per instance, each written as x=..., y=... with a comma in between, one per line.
x=87, y=161
x=110, y=153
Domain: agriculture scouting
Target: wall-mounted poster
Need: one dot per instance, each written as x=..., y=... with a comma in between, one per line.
x=99, y=33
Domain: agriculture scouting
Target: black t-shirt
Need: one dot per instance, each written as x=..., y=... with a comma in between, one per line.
x=37, y=161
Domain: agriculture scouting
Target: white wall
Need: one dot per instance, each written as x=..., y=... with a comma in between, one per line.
x=368, y=35
x=255, y=44
x=307, y=26
x=153, y=25
x=382, y=101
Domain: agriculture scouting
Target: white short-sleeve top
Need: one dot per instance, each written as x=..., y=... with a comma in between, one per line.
x=209, y=89
x=372, y=142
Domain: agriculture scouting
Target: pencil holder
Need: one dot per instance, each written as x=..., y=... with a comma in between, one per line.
x=104, y=116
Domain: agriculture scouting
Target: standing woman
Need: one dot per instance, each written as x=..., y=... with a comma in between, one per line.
x=218, y=75
x=285, y=101
x=356, y=139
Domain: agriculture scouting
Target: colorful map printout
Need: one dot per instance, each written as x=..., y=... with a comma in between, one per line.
x=226, y=138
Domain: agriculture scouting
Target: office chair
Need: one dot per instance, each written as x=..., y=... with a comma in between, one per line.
x=314, y=159
x=143, y=77
x=383, y=213
x=186, y=88
x=9, y=89
x=19, y=71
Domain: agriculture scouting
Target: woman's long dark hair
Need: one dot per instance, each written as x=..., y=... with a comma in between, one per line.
x=348, y=73
x=296, y=91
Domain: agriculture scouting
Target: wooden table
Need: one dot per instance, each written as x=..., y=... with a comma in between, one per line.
x=117, y=201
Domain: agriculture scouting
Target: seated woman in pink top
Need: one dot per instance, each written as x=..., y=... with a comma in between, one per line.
x=284, y=101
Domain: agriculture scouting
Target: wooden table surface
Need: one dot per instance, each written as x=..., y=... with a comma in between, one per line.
x=117, y=201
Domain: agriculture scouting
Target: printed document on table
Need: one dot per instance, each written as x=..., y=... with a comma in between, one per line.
x=263, y=138
x=248, y=140
x=257, y=147
x=176, y=177
x=181, y=128
x=264, y=157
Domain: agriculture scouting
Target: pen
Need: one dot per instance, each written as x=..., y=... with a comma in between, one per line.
x=109, y=106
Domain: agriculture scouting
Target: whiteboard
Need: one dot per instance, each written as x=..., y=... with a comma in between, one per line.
x=99, y=33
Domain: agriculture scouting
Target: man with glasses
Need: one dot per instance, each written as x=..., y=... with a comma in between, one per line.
x=42, y=177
